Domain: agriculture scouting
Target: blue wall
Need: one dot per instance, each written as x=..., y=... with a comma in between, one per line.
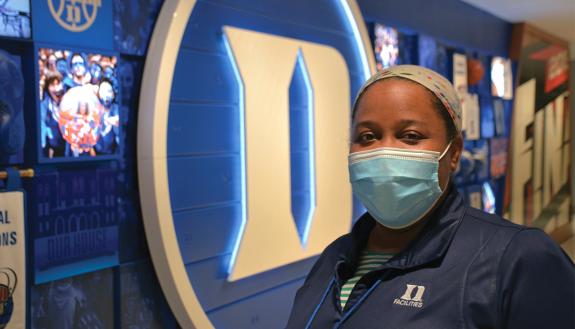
x=128, y=292
x=453, y=22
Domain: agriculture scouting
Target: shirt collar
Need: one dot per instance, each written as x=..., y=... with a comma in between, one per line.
x=431, y=244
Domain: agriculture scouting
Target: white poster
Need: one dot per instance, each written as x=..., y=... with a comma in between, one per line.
x=12, y=261
x=501, y=78
x=460, y=75
x=471, y=116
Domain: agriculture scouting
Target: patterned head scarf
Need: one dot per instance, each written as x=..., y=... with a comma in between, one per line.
x=429, y=79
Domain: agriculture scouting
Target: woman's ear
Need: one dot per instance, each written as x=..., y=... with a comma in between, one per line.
x=456, y=149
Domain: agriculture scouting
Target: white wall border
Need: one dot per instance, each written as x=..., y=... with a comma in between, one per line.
x=152, y=164
x=361, y=36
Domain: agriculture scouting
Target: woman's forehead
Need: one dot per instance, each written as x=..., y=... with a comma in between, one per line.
x=396, y=95
x=396, y=102
x=433, y=82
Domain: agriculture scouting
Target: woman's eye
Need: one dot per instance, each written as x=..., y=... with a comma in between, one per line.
x=411, y=137
x=366, y=137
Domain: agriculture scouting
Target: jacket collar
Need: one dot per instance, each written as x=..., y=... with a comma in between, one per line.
x=431, y=244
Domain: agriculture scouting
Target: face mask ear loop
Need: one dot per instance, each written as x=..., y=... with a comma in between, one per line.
x=441, y=157
x=445, y=151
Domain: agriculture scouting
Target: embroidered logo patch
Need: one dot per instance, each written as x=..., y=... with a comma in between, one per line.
x=413, y=296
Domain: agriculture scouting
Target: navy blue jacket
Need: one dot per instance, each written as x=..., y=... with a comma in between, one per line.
x=466, y=269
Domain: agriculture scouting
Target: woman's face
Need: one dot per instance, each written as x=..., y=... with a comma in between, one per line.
x=399, y=113
x=56, y=90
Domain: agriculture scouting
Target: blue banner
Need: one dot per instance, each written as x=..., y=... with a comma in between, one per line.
x=86, y=23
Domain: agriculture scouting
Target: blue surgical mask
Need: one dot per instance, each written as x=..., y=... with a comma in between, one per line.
x=397, y=186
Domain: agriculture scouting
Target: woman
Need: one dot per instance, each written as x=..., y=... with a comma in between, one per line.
x=420, y=258
x=52, y=140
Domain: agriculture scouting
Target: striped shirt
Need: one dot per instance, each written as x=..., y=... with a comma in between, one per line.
x=368, y=262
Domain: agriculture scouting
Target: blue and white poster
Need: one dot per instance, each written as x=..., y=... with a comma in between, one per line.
x=81, y=23
x=75, y=225
x=13, y=261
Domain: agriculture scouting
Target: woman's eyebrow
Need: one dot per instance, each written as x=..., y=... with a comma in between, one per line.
x=401, y=123
x=366, y=123
x=409, y=122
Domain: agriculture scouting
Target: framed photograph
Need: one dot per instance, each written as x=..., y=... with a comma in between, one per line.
x=386, y=46
x=78, y=107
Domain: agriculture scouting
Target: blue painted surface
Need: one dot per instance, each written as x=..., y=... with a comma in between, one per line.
x=201, y=181
x=46, y=29
x=198, y=237
x=214, y=72
x=204, y=30
x=196, y=129
x=261, y=312
x=451, y=21
x=208, y=277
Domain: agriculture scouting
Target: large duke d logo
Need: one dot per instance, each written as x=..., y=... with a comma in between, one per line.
x=271, y=239
x=242, y=151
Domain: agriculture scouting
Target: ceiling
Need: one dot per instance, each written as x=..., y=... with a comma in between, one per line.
x=554, y=16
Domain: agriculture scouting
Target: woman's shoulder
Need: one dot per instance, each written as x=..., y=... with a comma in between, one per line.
x=513, y=240
x=536, y=281
x=482, y=218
